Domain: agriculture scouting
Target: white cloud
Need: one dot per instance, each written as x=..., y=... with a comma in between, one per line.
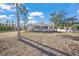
x=33, y=14
x=42, y=16
x=13, y=10
x=5, y=6
x=36, y=14
x=22, y=22
x=31, y=22
x=11, y=15
x=4, y=17
x=77, y=11
x=30, y=17
x=1, y=10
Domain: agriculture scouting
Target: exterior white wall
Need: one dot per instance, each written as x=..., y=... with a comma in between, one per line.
x=62, y=30
x=69, y=30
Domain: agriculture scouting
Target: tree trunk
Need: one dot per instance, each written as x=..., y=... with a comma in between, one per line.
x=18, y=21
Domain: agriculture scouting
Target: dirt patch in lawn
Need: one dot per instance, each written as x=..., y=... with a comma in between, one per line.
x=38, y=44
x=56, y=40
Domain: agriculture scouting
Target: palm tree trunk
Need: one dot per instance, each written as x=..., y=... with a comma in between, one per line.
x=18, y=21
x=24, y=23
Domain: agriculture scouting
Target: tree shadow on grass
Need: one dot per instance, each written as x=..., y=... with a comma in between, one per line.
x=76, y=38
x=29, y=42
x=48, y=32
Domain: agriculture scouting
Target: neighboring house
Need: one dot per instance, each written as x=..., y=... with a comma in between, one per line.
x=42, y=27
x=74, y=28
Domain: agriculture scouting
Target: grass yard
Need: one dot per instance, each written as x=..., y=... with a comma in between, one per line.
x=39, y=44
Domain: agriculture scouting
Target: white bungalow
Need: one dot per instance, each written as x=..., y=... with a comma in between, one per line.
x=42, y=27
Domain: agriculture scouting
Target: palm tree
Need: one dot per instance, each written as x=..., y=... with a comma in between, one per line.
x=24, y=12
x=7, y=26
x=71, y=21
x=7, y=22
x=12, y=25
x=12, y=22
x=56, y=18
x=17, y=19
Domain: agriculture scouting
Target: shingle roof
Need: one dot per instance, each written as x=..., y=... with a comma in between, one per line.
x=40, y=24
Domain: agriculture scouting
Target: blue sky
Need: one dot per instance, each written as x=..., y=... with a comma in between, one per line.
x=39, y=11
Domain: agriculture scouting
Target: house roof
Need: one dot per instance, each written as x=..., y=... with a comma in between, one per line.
x=41, y=24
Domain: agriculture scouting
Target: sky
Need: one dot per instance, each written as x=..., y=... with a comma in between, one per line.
x=38, y=11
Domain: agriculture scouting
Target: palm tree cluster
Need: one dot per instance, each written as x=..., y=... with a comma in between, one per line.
x=60, y=21
x=24, y=12
x=8, y=26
